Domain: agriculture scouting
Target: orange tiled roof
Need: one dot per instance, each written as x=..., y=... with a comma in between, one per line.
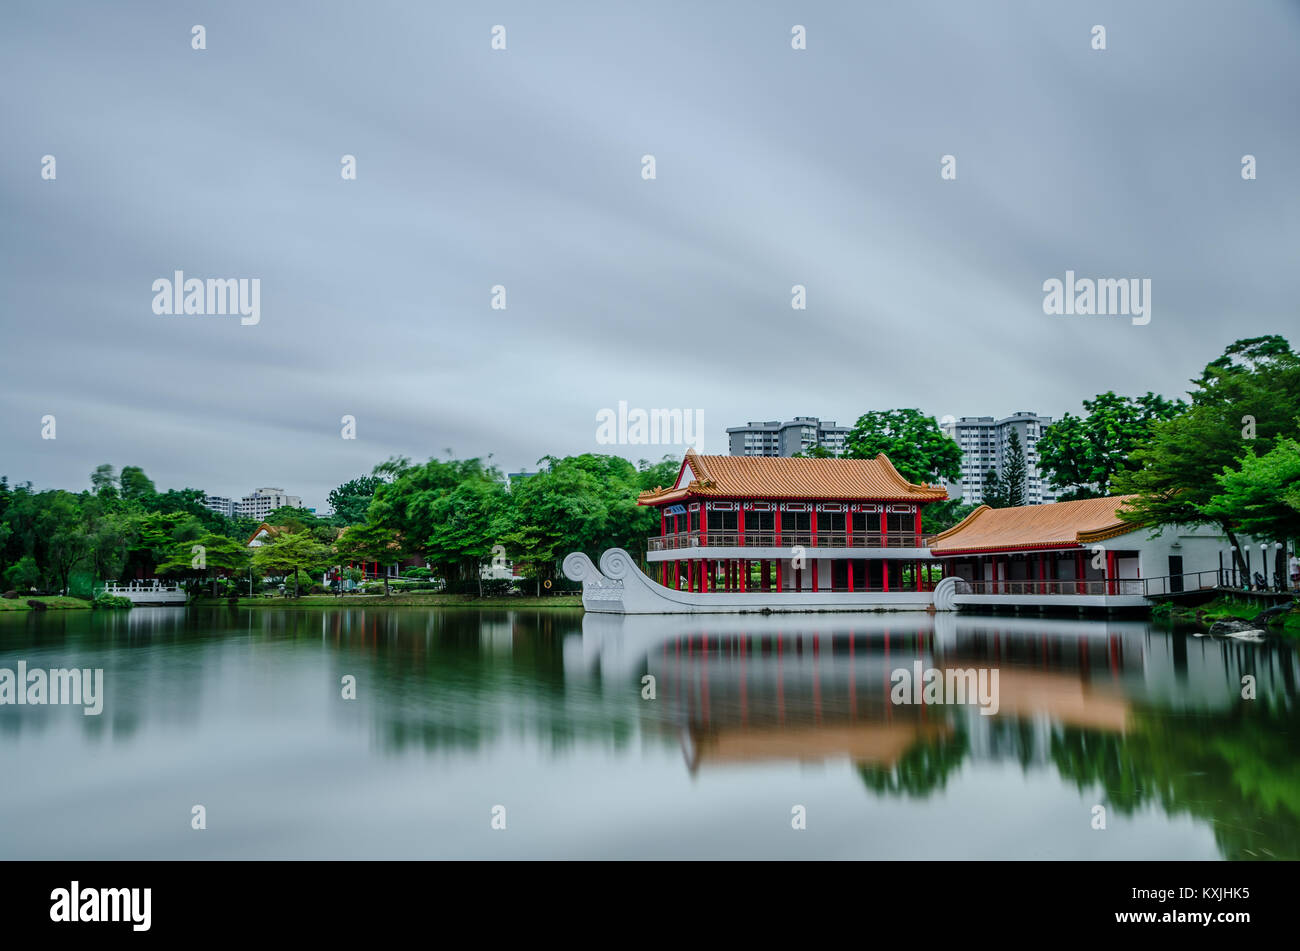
x=1055, y=525
x=773, y=477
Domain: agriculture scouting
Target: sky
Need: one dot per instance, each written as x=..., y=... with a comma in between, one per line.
x=523, y=167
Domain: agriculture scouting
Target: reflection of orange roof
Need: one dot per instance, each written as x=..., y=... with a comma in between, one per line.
x=1055, y=525
x=876, y=743
x=780, y=477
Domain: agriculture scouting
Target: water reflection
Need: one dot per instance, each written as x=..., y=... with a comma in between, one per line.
x=1151, y=724
x=1146, y=716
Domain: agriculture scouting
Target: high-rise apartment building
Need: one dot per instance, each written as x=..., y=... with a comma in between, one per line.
x=775, y=438
x=984, y=446
x=264, y=501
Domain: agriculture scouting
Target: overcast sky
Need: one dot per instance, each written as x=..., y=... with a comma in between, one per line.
x=523, y=168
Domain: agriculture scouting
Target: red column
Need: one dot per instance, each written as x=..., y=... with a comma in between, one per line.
x=814, y=536
x=917, y=530
x=778, y=535
x=1111, y=587
x=704, y=524
x=779, y=560
x=663, y=522
x=764, y=575
x=1079, y=586
x=916, y=569
x=744, y=574
x=740, y=524
x=848, y=527
x=884, y=573
x=1042, y=572
x=690, y=575
x=884, y=528
x=663, y=573
x=815, y=588
x=849, y=565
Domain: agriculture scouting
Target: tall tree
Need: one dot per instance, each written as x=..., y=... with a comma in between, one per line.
x=914, y=443
x=135, y=484
x=1080, y=456
x=351, y=499
x=1247, y=398
x=103, y=481
x=1013, y=471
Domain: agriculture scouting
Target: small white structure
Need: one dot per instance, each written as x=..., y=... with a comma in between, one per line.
x=146, y=593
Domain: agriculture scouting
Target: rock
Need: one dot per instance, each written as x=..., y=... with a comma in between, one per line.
x=1236, y=627
x=37, y=605
x=10, y=595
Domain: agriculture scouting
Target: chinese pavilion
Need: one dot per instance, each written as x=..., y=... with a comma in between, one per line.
x=780, y=525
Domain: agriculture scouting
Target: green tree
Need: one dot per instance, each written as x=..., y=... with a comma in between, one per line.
x=135, y=484
x=1080, y=456
x=289, y=553
x=103, y=482
x=209, y=556
x=1013, y=472
x=351, y=500
x=23, y=575
x=370, y=543
x=993, y=490
x=1245, y=399
x=914, y=443
x=66, y=544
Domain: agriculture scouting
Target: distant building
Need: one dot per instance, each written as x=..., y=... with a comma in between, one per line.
x=264, y=501
x=775, y=438
x=220, y=504
x=984, y=446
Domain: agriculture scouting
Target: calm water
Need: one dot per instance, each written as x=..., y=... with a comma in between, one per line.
x=542, y=712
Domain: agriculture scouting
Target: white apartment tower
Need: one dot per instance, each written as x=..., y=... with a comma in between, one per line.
x=983, y=441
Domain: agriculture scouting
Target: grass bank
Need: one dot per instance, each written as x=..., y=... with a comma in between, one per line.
x=410, y=601
x=1228, y=607
x=52, y=602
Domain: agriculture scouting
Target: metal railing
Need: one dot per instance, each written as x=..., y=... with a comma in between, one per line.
x=788, y=539
x=1093, y=586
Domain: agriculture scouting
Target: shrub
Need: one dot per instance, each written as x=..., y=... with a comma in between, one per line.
x=111, y=602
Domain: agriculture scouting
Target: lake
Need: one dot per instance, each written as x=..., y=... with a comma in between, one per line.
x=766, y=737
